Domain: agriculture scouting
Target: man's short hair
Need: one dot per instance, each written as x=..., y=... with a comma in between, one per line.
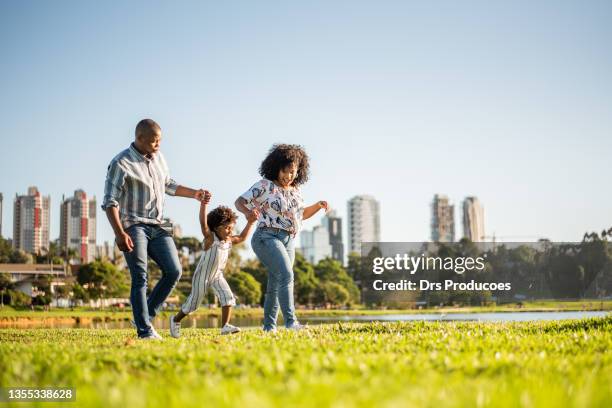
x=147, y=128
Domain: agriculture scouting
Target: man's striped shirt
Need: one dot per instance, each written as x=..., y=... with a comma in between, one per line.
x=136, y=184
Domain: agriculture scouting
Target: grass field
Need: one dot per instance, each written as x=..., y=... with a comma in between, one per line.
x=549, y=364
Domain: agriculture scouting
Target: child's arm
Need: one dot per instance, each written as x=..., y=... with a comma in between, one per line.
x=313, y=209
x=208, y=234
x=251, y=219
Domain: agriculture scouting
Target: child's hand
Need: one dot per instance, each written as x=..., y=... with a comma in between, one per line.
x=253, y=215
x=324, y=205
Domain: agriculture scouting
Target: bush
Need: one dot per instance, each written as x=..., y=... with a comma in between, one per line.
x=245, y=287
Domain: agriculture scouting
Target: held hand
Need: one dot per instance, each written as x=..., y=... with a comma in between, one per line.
x=324, y=205
x=202, y=196
x=253, y=215
x=124, y=242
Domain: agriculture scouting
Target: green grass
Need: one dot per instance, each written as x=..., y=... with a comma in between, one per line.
x=433, y=364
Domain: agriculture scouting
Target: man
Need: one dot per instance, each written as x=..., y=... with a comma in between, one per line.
x=136, y=181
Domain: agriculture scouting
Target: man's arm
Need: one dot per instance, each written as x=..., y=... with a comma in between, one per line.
x=251, y=219
x=187, y=192
x=113, y=190
x=124, y=241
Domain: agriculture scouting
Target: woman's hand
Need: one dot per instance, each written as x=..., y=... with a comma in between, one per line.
x=324, y=205
x=253, y=215
x=312, y=209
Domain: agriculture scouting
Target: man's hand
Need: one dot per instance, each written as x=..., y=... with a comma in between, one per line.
x=202, y=195
x=124, y=242
x=253, y=215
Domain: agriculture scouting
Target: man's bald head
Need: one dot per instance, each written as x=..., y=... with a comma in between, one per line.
x=147, y=129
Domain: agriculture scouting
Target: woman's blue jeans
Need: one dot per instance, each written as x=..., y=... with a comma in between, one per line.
x=275, y=250
x=153, y=241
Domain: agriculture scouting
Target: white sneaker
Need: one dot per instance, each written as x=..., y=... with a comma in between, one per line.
x=297, y=327
x=175, y=328
x=229, y=329
x=151, y=337
x=156, y=334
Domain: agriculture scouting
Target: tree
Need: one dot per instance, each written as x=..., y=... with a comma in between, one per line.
x=5, y=285
x=102, y=279
x=255, y=268
x=332, y=292
x=330, y=270
x=245, y=287
x=305, y=280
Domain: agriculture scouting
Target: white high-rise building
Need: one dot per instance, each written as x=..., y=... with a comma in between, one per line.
x=78, y=225
x=31, y=222
x=473, y=219
x=315, y=244
x=363, y=221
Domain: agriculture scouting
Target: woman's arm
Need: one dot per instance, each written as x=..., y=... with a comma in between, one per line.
x=313, y=209
x=240, y=204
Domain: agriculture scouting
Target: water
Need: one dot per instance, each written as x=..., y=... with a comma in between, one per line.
x=213, y=321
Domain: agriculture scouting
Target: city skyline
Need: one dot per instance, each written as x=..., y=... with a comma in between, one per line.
x=395, y=100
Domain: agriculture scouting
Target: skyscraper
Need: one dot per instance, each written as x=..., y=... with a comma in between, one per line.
x=31, y=222
x=363, y=221
x=473, y=219
x=442, y=219
x=78, y=226
x=315, y=244
x=324, y=241
x=333, y=224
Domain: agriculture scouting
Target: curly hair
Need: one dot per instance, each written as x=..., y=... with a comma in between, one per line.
x=221, y=215
x=281, y=156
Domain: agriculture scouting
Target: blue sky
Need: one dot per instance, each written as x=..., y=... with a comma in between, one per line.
x=508, y=101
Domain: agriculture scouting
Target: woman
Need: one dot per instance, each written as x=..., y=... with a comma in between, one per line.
x=278, y=200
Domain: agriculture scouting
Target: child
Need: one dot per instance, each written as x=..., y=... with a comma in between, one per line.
x=217, y=228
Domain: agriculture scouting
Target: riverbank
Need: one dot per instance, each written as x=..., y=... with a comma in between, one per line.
x=12, y=316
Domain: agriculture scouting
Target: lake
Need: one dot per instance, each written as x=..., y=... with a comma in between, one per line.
x=246, y=322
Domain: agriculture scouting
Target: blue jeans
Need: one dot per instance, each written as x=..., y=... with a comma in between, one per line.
x=153, y=241
x=275, y=250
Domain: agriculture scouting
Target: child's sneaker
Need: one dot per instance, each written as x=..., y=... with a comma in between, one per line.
x=175, y=328
x=297, y=327
x=229, y=329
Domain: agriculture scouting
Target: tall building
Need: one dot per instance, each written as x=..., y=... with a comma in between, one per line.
x=324, y=241
x=1, y=200
x=78, y=225
x=315, y=244
x=363, y=221
x=442, y=220
x=31, y=222
x=333, y=223
x=473, y=219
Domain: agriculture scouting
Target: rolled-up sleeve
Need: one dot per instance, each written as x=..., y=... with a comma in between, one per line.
x=171, y=186
x=113, y=187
